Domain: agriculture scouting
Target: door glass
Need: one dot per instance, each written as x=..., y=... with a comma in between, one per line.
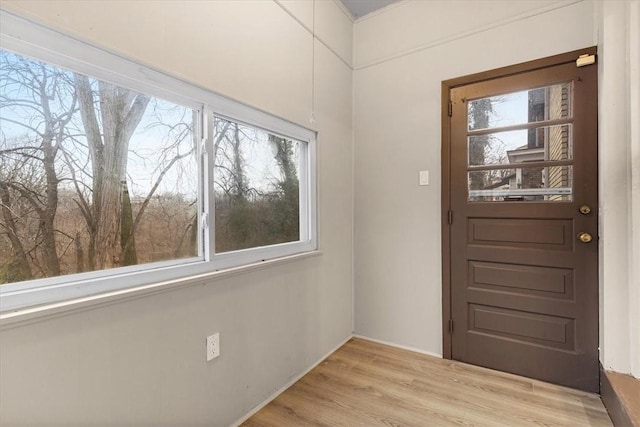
x=517, y=108
x=519, y=146
x=527, y=131
x=553, y=184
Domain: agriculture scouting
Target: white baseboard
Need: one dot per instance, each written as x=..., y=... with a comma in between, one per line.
x=287, y=385
x=403, y=347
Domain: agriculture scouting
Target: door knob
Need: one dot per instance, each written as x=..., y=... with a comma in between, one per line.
x=585, y=237
x=585, y=210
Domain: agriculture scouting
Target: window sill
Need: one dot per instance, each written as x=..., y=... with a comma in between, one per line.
x=30, y=314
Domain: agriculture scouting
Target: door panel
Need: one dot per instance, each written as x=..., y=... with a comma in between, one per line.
x=523, y=326
x=521, y=280
x=549, y=234
x=523, y=160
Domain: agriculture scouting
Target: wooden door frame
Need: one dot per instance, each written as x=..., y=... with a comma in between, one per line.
x=447, y=85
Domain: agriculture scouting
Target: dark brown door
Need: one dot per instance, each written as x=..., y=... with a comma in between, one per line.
x=523, y=235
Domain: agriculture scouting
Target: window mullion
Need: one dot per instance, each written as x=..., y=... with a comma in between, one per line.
x=311, y=188
x=208, y=205
x=304, y=192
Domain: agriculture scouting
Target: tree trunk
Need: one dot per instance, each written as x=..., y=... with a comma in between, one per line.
x=84, y=92
x=287, y=207
x=49, y=249
x=79, y=254
x=284, y=158
x=121, y=111
x=127, y=236
x=19, y=267
x=238, y=169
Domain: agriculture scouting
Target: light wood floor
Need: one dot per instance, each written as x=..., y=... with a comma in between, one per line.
x=370, y=384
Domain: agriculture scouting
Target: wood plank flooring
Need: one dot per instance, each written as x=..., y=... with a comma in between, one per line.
x=369, y=384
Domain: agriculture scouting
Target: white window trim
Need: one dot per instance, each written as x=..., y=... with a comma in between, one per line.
x=26, y=38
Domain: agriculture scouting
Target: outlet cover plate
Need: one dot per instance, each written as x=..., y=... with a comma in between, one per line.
x=213, y=346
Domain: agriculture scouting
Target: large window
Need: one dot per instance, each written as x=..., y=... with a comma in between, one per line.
x=135, y=174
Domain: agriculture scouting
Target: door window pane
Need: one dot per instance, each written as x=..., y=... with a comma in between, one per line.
x=518, y=146
x=257, y=187
x=528, y=106
x=553, y=184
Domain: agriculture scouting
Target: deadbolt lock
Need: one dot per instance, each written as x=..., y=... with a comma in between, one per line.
x=585, y=237
x=585, y=210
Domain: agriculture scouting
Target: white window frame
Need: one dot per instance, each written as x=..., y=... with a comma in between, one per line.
x=29, y=39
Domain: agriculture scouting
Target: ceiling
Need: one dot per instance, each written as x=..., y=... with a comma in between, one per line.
x=360, y=8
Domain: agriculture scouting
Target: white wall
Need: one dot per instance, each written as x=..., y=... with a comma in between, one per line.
x=634, y=141
x=401, y=57
x=619, y=135
x=141, y=361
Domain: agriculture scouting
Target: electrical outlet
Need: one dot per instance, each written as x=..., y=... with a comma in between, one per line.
x=213, y=346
